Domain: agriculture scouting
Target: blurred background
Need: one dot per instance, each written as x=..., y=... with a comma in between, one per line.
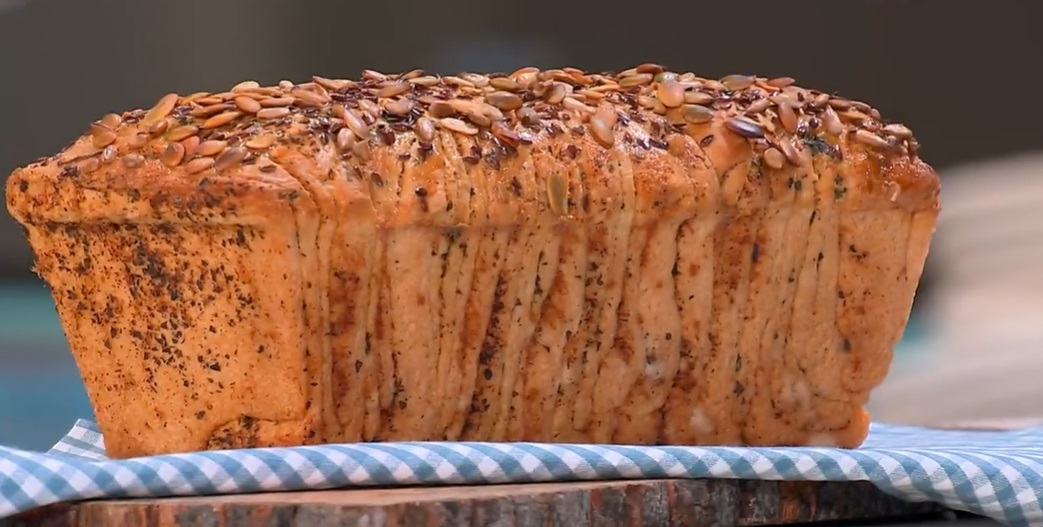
x=961, y=74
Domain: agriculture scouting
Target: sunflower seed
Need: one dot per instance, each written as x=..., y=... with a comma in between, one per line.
x=839, y=104
x=247, y=104
x=182, y=133
x=781, y=82
x=505, y=84
x=345, y=140
x=220, y=119
x=210, y=148
x=173, y=154
x=399, y=106
x=309, y=98
x=698, y=97
x=458, y=81
x=572, y=104
x=163, y=107
x=528, y=116
x=394, y=89
x=273, y=113
x=527, y=80
x=646, y=102
x=831, y=122
x=331, y=84
x=355, y=123
x=654, y=69
x=440, y=109
x=508, y=136
x=737, y=82
x=787, y=116
x=557, y=92
x=898, y=130
x=638, y=79
x=246, y=86
x=373, y=75
x=199, y=164
x=479, y=81
x=456, y=125
x=361, y=150
x=203, y=112
x=229, y=158
x=159, y=127
x=370, y=108
x=426, y=80
x=790, y=151
x=503, y=100
x=261, y=142
x=425, y=129
x=602, y=123
x=190, y=143
x=273, y=102
x=870, y=139
x=758, y=106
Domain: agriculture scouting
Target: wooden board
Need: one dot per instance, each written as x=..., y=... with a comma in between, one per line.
x=645, y=503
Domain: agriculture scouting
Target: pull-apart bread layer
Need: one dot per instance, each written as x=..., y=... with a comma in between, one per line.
x=642, y=257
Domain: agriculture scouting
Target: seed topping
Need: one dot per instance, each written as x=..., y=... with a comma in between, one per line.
x=646, y=107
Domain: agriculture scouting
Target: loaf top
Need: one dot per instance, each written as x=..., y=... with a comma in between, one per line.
x=253, y=132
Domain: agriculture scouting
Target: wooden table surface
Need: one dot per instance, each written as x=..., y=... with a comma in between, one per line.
x=637, y=503
x=643, y=503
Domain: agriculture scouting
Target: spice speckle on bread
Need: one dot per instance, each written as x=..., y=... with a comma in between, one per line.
x=637, y=257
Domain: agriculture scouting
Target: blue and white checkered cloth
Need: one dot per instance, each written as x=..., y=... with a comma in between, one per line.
x=995, y=474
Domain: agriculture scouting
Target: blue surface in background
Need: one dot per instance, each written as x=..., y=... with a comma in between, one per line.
x=41, y=394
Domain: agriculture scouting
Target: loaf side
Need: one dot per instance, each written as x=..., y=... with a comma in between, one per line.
x=557, y=255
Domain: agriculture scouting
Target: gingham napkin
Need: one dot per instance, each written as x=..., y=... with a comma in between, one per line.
x=995, y=474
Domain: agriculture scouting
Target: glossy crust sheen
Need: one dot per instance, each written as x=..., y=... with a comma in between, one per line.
x=641, y=257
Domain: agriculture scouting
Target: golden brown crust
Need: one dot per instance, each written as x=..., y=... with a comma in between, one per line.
x=733, y=119
x=546, y=255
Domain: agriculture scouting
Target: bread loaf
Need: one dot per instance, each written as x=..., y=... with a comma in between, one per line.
x=644, y=257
